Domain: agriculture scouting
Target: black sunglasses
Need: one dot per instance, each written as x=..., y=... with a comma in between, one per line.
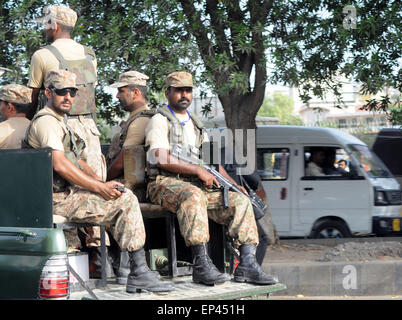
x=64, y=91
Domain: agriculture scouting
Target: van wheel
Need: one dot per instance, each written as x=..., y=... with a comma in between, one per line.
x=330, y=229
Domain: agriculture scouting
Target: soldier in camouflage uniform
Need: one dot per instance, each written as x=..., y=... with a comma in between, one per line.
x=14, y=103
x=78, y=195
x=67, y=54
x=186, y=189
x=132, y=92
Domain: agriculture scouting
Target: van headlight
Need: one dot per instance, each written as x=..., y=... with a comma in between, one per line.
x=380, y=197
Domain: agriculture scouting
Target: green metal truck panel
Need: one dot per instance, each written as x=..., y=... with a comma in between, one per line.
x=23, y=254
x=27, y=237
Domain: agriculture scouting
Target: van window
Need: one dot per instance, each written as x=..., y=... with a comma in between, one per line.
x=369, y=161
x=328, y=163
x=273, y=163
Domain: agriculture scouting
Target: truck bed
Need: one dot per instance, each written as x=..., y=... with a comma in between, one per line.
x=185, y=290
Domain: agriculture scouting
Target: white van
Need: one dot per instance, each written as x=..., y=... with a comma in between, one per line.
x=309, y=203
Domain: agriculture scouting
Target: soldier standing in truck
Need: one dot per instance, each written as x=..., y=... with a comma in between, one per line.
x=65, y=53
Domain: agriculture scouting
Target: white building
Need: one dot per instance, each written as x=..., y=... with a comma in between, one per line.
x=324, y=111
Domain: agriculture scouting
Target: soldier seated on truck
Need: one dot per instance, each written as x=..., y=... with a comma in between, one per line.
x=131, y=93
x=77, y=195
x=186, y=189
x=15, y=101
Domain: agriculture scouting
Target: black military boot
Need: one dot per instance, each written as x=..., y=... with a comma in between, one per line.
x=121, y=265
x=141, y=277
x=249, y=270
x=95, y=263
x=204, y=271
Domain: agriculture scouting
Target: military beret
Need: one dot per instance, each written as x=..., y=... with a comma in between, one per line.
x=60, y=14
x=131, y=77
x=60, y=79
x=179, y=79
x=16, y=93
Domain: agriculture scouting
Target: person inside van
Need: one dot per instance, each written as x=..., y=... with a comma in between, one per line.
x=314, y=166
x=329, y=161
x=342, y=166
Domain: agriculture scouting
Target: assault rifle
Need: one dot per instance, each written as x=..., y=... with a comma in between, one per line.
x=225, y=185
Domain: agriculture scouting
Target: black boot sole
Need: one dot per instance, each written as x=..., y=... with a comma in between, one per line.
x=121, y=280
x=139, y=289
x=250, y=280
x=210, y=283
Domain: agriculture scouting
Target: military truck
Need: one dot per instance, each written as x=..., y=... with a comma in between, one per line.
x=34, y=263
x=33, y=256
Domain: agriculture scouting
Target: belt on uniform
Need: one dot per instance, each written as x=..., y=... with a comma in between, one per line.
x=76, y=116
x=182, y=177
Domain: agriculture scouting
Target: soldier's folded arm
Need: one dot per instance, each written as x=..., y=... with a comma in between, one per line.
x=66, y=169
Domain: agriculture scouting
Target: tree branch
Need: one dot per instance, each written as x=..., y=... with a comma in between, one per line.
x=222, y=43
x=197, y=29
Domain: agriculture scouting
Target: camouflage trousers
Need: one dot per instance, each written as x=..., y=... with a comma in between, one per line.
x=194, y=204
x=87, y=130
x=122, y=215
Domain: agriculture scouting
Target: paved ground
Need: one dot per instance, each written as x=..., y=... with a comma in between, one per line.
x=340, y=268
x=335, y=250
x=329, y=269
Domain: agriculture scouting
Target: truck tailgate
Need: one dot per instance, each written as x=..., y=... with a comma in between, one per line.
x=23, y=253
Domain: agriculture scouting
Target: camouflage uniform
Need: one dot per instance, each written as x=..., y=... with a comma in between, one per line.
x=122, y=214
x=12, y=130
x=192, y=203
x=132, y=134
x=16, y=93
x=119, y=140
x=83, y=110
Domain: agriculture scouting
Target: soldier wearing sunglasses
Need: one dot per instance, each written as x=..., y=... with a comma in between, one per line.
x=77, y=194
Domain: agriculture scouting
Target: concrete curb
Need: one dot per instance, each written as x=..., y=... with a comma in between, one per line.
x=338, y=278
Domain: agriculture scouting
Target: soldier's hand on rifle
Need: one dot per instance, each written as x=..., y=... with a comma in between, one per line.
x=208, y=178
x=243, y=189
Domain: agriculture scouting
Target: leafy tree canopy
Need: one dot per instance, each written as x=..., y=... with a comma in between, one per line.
x=281, y=107
x=234, y=48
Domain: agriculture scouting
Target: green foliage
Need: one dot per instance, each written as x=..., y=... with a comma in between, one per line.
x=226, y=44
x=281, y=107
